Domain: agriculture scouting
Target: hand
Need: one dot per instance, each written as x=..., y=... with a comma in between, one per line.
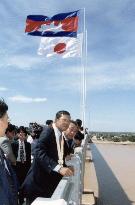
x=66, y=171
x=71, y=168
x=68, y=157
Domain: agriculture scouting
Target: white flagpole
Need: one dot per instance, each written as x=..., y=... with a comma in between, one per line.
x=84, y=64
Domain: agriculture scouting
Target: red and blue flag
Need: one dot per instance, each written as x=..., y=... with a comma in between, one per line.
x=63, y=24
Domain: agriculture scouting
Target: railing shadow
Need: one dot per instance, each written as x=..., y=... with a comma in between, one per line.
x=109, y=189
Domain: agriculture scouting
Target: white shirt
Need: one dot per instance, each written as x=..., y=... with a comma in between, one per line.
x=57, y=135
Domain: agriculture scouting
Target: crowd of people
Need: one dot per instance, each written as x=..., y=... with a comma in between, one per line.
x=33, y=159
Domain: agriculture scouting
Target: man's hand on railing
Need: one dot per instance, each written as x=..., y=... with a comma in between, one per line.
x=66, y=171
x=68, y=157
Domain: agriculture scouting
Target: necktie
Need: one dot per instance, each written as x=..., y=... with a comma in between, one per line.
x=21, y=152
x=70, y=143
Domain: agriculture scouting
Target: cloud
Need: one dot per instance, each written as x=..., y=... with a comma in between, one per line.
x=20, y=62
x=118, y=74
x=24, y=99
x=3, y=88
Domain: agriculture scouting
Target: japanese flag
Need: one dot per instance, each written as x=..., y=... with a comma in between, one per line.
x=64, y=47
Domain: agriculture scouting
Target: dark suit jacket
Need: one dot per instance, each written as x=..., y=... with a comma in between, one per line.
x=22, y=169
x=70, y=145
x=8, y=196
x=41, y=180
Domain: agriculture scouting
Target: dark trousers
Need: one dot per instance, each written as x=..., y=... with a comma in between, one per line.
x=21, y=172
x=29, y=200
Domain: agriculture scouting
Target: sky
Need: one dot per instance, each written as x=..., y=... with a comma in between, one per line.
x=36, y=87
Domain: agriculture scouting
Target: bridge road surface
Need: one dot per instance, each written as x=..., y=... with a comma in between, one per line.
x=115, y=171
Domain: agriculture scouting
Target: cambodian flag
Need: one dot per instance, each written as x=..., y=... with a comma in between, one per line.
x=63, y=24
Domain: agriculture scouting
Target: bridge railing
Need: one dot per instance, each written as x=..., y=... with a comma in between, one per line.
x=70, y=189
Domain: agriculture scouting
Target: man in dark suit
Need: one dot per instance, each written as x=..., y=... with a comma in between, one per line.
x=48, y=166
x=8, y=184
x=69, y=135
x=22, y=151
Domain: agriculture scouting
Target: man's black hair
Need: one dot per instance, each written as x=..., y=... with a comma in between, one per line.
x=79, y=122
x=49, y=122
x=74, y=122
x=23, y=129
x=79, y=136
x=60, y=113
x=10, y=128
x=3, y=108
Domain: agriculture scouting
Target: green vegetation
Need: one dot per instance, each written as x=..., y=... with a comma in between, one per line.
x=114, y=136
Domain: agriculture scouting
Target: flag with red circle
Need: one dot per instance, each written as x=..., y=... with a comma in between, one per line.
x=64, y=47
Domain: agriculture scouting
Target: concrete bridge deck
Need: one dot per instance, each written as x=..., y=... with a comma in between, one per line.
x=113, y=174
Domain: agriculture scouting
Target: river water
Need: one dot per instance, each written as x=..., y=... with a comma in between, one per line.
x=115, y=171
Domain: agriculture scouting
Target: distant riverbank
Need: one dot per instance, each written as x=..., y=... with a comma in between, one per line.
x=111, y=142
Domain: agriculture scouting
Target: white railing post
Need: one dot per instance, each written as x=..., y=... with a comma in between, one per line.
x=76, y=180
